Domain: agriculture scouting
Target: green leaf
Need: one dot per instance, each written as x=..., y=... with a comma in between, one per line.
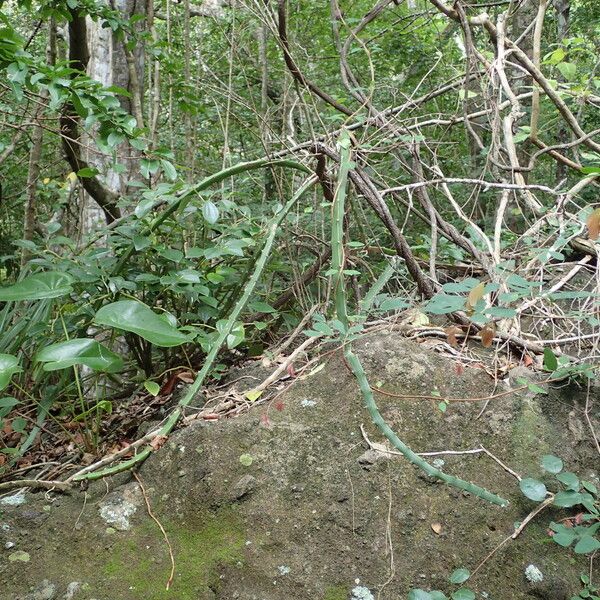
x=442, y=304
x=550, y=360
x=460, y=575
x=463, y=594
x=436, y=595
x=533, y=489
x=253, y=395
x=552, y=464
x=261, y=307
x=393, y=304
x=570, y=480
x=565, y=538
x=567, y=70
x=169, y=170
x=246, y=460
x=152, y=387
x=210, y=212
x=567, y=499
x=40, y=286
x=79, y=351
x=590, y=487
x=8, y=402
x=136, y=317
x=87, y=172
x=9, y=365
x=19, y=424
x=418, y=594
x=586, y=545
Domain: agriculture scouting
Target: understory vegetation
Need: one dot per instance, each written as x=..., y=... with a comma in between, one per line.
x=190, y=186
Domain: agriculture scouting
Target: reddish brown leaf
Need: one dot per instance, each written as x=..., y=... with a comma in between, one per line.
x=186, y=377
x=211, y=417
x=487, y=336
x=593, y=225
x=527, y=360
x=459, y=368
x=290, y=370
x=264, y=419
x=158, y=442
x=452, y=332
x=279, y=405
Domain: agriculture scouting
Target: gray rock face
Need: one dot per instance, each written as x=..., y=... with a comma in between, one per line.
x=316, y=513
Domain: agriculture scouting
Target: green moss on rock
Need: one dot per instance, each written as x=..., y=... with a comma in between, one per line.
x=142, y=561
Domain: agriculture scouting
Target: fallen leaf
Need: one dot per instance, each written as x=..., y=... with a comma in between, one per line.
x=459, y=368
x=437, y=528
x=527, y=360
x=593, y=225
x=487, y=335
x=186, y=377
x=279, y=406
x=452, y=332
x=158, y=442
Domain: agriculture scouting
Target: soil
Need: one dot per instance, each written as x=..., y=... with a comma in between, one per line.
x=287, y=502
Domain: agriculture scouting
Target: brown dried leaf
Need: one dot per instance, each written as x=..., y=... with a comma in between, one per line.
x=476, y=294
x=452, y=332
x=593, y=225
x=487, y=335
x=158, y=442
x=437, y=528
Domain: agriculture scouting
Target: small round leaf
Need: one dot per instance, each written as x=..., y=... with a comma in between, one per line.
x=552, y=464
x=460, y=575
x=533, y=489
x=246, y=460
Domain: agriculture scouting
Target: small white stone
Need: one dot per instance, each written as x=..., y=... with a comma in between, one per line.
x=533, y=574
x=283, y=570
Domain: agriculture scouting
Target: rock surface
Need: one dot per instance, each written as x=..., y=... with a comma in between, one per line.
x=316, y=515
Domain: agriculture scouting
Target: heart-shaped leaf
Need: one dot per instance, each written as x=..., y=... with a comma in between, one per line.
x=79, y=351
x=9, y=365
x=136, y=317
x=50, y=284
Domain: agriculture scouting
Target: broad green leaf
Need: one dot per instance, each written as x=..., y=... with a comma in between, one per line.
x=567, y=70
x=8, y=402
x=532, y=488
x=550, y=360
x=460, y=575
x=463, y=594
x=419, y=595
x=79, y=351
x=569, y=480
x=568, y=499
x=152, y=387
x=169, y=170
x=565, y=538
x=210, y=212
x=393, y=304
x=136, y=317
x=436, y=595
x=261, y=307
x=50, y=284
x=442, y=304
x=586, y=545
x=552, y=464
x=9, y=365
